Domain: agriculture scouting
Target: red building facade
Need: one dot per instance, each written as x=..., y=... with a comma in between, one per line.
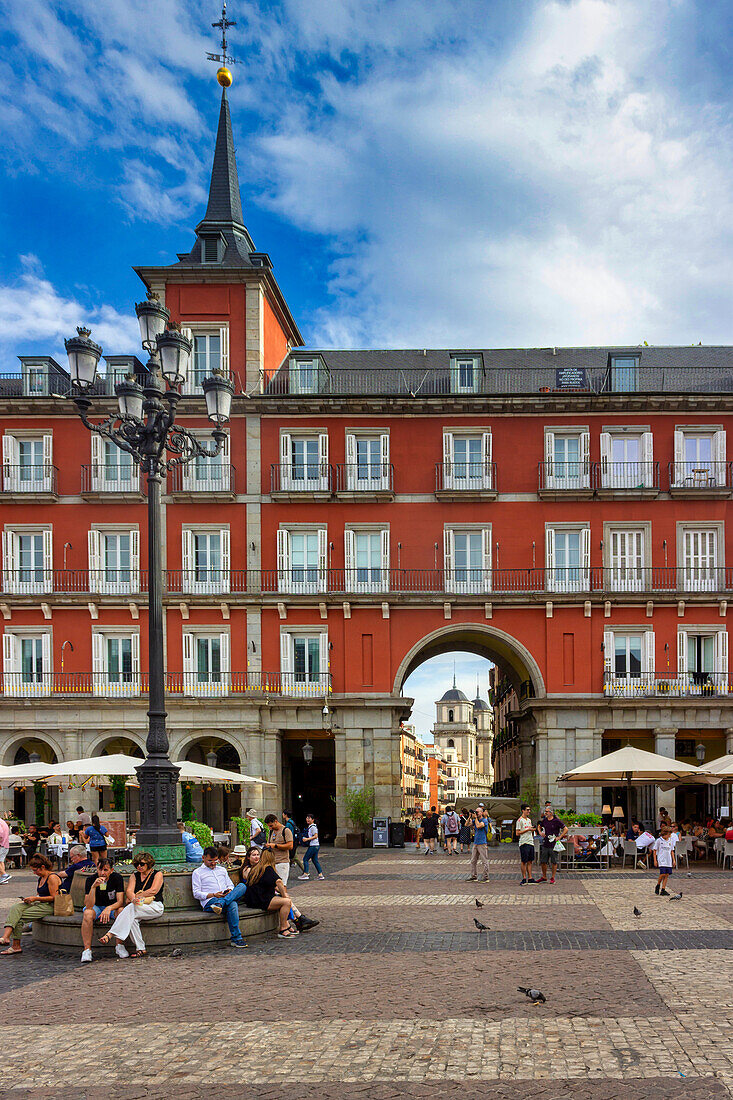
x=564, y=512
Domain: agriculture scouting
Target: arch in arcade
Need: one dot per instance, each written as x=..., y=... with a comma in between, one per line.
x=214, y=803
x=20, y=800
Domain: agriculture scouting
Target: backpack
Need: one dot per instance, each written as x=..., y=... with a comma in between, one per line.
x=452, y=824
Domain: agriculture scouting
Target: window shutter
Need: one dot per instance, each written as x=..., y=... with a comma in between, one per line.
x=721, y=657
x=323, y=459
x=647, y=458
x=384, y=447
x=681, y=652
x=10, y=461
x=585, y=454
x=224, y=345
x=283, y=560
x=95, y=560
x=549, y=456
x=48, y=454
x=648, y=653
x=10, y=663
x=609, y=652
x=323, y=658
x=97, y=471
x=550, y=557
x=606, y=472
x=135, y=654
x=286, y=454
x=224, y=660
x=9, y=560
x=585, y=556
x=486, y=459
x=349, y=559
x=47, y=559
x=448, y=557
x=135, y=559
x=719, y=449
x=679, y=456
x=322, y=559
x=98, y=677
x=189, y=671
x=188, y=384
x=224, y=582
x=285, y=653
x=384, y=535
x=187, y=552
x=486, y=558
x=351, y=471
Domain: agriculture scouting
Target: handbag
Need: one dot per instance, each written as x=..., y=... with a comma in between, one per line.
x=63, y=905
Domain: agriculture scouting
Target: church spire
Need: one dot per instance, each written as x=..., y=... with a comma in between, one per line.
x=224, y=210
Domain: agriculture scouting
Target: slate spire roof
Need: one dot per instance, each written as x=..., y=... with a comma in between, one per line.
x=225, y=201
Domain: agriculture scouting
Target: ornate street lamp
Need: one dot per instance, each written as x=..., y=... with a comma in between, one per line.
x=145, y=428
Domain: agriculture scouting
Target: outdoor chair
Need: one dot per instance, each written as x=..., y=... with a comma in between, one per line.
x=682, y=852
x=718, y=848
x=630, y=849
x=728, y=853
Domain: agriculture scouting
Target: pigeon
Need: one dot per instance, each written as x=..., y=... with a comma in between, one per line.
x=176, y=953
x=675, y=897
x=536, y=996
x=637, y=912
x=689, y=874
x=479, y=904
x=481, y=927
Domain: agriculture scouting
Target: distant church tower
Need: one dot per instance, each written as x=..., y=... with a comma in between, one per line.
x=454, y=728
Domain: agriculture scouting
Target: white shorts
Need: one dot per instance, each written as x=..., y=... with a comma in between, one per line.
x=3, y=854
x=283, y=870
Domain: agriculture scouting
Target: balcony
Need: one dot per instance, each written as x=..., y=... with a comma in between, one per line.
x=119, y=482
x=365, y=481
x=306, y=481
x=30, y=482
x=565, y=479
x=465, y=480
x=201, y=479
x=627, y=479
x=73, y=685
x=669, y=684
x=700, y=479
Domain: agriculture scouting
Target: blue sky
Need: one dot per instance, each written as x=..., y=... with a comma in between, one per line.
x=428, y=683
x=422, y=172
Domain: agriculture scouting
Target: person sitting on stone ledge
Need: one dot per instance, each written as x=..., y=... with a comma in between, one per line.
x=103, y=899
x=224, y=854
x=194, y=851
x=144, y=896
x=31, y=908
x=213, y=888
x=79, y=860
x=267, y=891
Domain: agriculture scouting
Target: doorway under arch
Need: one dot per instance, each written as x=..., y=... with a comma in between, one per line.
x=214, y=803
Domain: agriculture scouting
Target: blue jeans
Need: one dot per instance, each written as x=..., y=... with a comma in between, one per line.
x=230, y=908
x=311, y=853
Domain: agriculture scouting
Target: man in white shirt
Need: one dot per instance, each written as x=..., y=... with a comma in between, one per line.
x=213, y=888
x=257, y=834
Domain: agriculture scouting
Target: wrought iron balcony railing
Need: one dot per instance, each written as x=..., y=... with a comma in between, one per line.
x=643, y=684
x=698, y=477
x=364, y=477
x=465, y=477
x=202, y=477
x=112, y=479
x=301, y=477
x=131, y=684
x=30, y=480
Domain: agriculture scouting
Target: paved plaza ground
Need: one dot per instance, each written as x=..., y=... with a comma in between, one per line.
x=397, y=996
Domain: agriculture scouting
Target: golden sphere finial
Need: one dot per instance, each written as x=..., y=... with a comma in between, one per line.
x=224, y=77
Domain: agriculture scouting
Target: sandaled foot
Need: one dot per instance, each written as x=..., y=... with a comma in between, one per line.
x=12, y=951
x=287, y=934
x=139, y=955
x=106, y=938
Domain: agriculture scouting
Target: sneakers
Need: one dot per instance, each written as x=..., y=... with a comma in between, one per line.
x=121, y=951
x=322, y=877
x=523, y=882
x=664, y=893
x=485, y=878
x=471, y=878
x=86, y=955
x=4, y=879
x=238, y=943
x=656, y=889
x=215, y=909
x=304, y=878
x=552, y=881
x=304, y=924
x=543, y=879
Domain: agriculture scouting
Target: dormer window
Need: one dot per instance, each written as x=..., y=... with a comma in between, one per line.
x=305, y=375
x=624, y=373
x=211, y=250
x=464, y=374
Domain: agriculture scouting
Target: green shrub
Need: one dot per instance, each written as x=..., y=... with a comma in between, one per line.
x=39, y=797
x=590, y=819
x=360, y=806
x=117, y=783
x=186, y=802
x=202, y=832
x=244, y=830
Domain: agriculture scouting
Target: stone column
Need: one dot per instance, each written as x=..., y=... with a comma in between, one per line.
x=728, y=740
x=665, y=745
x=386, y=758
x=587, y=748
x=354, y=764
x=271, y=797
x=556, y=758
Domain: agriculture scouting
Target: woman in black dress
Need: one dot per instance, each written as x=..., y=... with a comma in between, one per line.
x=266, y=890
x=464, y=832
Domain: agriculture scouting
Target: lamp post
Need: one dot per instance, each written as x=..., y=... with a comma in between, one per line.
x=145, y=428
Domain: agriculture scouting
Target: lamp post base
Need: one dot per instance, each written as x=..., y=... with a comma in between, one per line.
x=158, y=833
x=166, y=855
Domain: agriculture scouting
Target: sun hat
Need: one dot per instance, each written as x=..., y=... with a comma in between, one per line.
x=251, y=814
x=239, y=850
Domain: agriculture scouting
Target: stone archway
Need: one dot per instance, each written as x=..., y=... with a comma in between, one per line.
x=215, y=804
x=486, y=641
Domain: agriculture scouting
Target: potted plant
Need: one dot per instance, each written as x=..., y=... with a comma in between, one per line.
x=360, y=809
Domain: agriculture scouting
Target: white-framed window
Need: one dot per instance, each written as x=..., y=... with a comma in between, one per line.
x=700, y=458
x=210, y=352
x=116, y=662
x=467, y=559
x=467, y=460
x=700, y=559
x=304, y=375
x=702, y=659
x=304, y=661
x=624, y=373
x=207, y=473
x=464, y=374
x=114, y=560
x=113, y=470
x=26, y=663
x=366, y=554
x=205, y=559
x=567, y=555
x=626, y=556
x=302, y=559
x=627, y=460
x=27, y=560
x=304, y=462
x=567, y=460
x=27, y=463
x=367, y=462
x=629, y=654
x=206, y=668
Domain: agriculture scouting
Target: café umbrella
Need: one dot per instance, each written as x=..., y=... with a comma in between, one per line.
x=634, y=767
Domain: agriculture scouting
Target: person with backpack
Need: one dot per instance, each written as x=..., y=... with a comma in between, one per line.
x=451, y=823
x=289, y=823
x=94, y=835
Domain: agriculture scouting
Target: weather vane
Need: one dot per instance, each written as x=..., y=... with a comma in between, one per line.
x=223, y=74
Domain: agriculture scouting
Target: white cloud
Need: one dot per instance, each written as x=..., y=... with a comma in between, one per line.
x=428, y=683
x=33, y=309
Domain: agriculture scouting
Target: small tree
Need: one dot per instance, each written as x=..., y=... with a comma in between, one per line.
x=360, y=806
x=186, y=801
x=39, y=797
x=530, y=795
x=117, y=783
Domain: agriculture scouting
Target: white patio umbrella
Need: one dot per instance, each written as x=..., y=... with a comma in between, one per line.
x=720, y=770
x=85, y=768
x=634, y=767
x=28, y=772
x=202, y=773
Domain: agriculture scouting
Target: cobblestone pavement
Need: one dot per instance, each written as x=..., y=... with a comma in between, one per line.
x=396, y=995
